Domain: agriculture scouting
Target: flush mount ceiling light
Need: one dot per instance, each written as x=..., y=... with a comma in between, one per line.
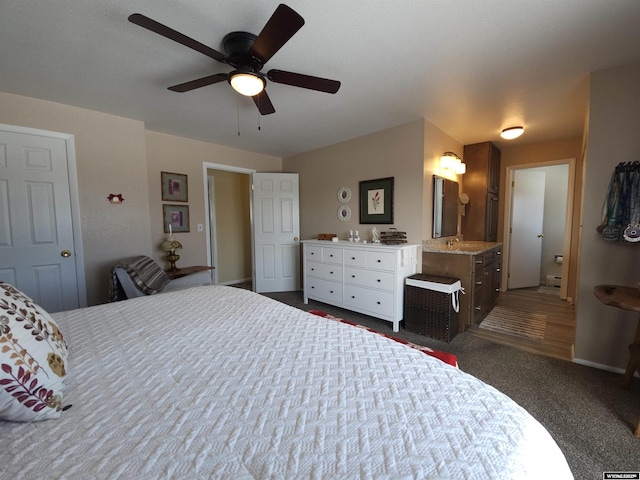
x=512, y=132
x=246, y=83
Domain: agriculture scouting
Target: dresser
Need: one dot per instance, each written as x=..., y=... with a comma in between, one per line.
x=478, y=265
x=365, y=278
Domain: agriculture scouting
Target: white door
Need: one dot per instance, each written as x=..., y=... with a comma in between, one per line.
x=276, y=232
x=37, y=253
x=525, y=240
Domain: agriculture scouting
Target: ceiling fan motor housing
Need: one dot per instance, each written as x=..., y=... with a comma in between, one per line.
x=236, y=46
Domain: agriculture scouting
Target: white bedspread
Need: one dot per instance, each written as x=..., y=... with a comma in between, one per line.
x=219, y=382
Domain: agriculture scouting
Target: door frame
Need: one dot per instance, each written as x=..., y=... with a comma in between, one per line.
x=209, y=213
x=566, y=244
x=74, y=198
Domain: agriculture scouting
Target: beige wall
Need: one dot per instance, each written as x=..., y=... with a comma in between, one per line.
x=603, y=332
x=233, y=225
x=410, y=153
x=110, y=158
x=185, y=156
x=541, y=153
x=117, y=155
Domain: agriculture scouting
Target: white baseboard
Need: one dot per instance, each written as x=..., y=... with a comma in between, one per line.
x=601, y=366
x=235, y=282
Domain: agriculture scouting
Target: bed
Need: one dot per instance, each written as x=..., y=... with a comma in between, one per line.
x=220, y=382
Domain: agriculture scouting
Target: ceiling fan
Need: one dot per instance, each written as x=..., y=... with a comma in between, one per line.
x=247, y=54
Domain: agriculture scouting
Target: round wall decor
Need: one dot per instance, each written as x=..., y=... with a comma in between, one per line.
x=344, y=194
x=344, y=213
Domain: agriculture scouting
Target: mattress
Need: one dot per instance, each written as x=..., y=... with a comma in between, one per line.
x=220, y=382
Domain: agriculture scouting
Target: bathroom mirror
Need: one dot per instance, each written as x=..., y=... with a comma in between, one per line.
x=445, y=207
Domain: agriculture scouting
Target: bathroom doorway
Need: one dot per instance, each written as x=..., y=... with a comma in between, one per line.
x=555, y=235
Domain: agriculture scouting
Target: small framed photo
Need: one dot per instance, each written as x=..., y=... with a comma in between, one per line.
x=174, y=187
x=376, y=201
x=176, y=218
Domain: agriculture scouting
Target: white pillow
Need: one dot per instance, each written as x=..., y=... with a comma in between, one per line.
x=33, y=359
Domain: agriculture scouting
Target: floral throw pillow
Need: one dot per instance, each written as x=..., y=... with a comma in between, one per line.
x=33, y=359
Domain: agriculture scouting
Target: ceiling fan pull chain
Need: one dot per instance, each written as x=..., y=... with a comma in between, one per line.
x=259, y=115
x=238, y=115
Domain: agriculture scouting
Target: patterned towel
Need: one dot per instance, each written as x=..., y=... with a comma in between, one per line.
x=144, y=271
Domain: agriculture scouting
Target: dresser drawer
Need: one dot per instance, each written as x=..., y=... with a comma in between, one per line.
x=313, y=252
x=381, y=260
x=326, y=290
x=376, y=301
x=331, y=255
x=369, y=278
x=325, y=270
x=355, y=258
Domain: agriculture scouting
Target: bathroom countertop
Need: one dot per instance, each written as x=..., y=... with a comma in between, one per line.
x=461, y=247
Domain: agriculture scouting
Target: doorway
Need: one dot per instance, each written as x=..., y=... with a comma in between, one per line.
x=228, y=222
x=556, y=243
x=40, y=233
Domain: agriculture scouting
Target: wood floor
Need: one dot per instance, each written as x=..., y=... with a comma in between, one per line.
x=559, y=337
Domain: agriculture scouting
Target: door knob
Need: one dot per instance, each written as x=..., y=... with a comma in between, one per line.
x=295, y=239
x=540, y=235
x=65, y=253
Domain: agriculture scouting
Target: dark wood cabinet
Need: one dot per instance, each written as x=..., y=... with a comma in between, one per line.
x=482, y=184
x=480, y=276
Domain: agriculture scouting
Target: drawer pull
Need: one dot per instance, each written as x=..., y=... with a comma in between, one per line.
x=378, y=280
x=378, y=303
x=353, y=296
x=497, y=289
x=330, y=273
x=313, y=269
x=331, y=255
x=379, y=260
x=330, y=291
x=478, y=262
x=479, y=282
x=312, y=288
x=353, y=276
x=311, y=253
x=498, y=252
x=478, y=308
x=353, y=258
x=497, y=269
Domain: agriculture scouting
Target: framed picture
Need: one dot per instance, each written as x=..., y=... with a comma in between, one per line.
x=174, y=187
x=176, y=216
x=376, y=201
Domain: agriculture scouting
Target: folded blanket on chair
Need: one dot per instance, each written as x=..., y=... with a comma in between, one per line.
x=144, y=271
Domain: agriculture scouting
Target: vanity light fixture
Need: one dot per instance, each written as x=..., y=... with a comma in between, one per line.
x=451, y=161
x=512, y=132
x=246, y=82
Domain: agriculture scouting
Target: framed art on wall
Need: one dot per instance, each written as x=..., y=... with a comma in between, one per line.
x=376, y=201
x=177, y=216
x=174, y=187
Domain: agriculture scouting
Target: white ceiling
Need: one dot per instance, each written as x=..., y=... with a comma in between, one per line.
x=469, y=67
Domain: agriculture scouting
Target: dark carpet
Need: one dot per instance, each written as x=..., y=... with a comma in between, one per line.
x=585, y=409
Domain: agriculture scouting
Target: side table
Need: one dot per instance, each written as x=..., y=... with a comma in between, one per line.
x=183, y=272
x=626, y=298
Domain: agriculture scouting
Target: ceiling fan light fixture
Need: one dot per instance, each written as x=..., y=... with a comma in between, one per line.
x=512, y=132
x=247, y=83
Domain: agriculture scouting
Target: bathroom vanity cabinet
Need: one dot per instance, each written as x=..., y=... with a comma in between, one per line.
x=478, y=265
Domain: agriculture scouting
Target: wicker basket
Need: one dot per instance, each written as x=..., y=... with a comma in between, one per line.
x=428, y=312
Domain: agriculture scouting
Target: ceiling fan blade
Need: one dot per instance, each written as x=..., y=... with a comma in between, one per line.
x=176, y=36
x=282, y=25
x=263, y=102
x=304, y=81
x=200, y=82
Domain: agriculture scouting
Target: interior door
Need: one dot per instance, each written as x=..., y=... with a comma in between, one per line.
x=37, y=252
x=276, y=232
x=525, y=240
